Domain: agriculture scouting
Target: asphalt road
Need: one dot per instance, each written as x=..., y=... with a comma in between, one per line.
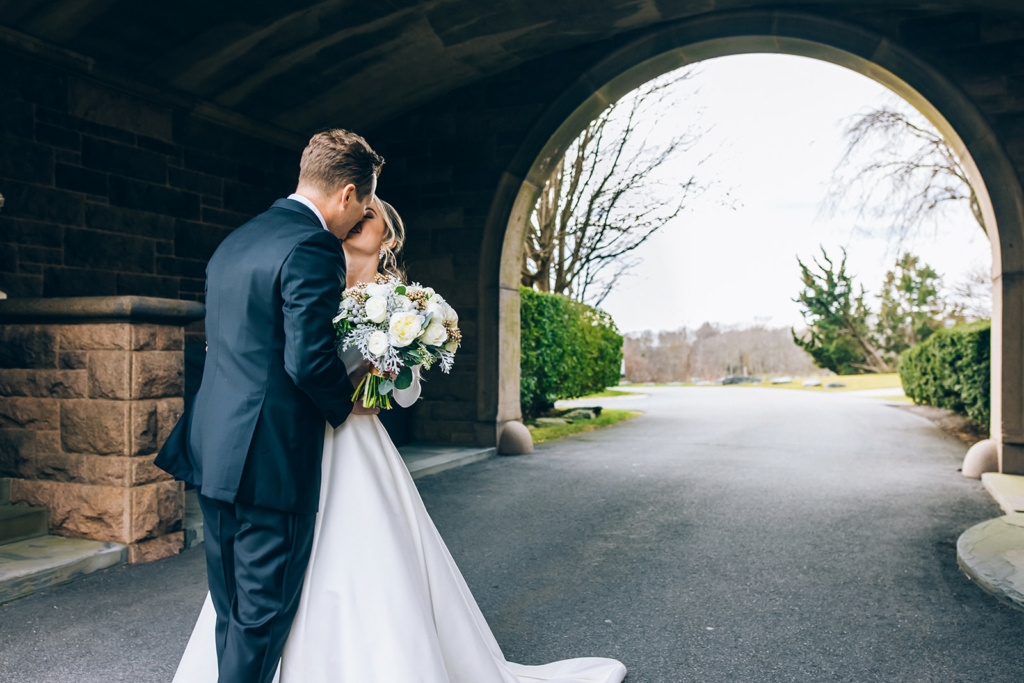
x=728, y=534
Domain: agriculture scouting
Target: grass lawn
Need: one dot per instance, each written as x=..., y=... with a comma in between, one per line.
x=608, y=417
x=607, y=393
x=852, y=382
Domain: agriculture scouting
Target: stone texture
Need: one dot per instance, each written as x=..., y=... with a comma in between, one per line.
x=515, y=439
x=156, y=548
x=20, y=449
x=156, y=509
x=158, y=374
x=109, y=374
x=982, y=457
x=27, y=346
x=95, y=426
x=101, y=513
x=44, y=383
x=87, y=337
x=143, y=471
x=992, y=555
x=29, y=413
x=100, y=470
x=157, y=338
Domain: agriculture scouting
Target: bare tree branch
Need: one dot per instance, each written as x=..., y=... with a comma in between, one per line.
x=608, y=196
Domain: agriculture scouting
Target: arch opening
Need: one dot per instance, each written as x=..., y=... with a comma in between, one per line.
x=669, y=48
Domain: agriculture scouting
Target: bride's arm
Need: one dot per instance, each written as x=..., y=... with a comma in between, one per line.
x=406, y=397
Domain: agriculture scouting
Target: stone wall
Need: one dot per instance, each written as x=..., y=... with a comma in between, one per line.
x=86, y=400
x=112, y=192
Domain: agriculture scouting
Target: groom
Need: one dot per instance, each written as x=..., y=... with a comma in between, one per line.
x=252, y=441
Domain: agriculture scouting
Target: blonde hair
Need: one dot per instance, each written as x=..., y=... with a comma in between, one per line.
x=394, y=230
x=335, y=158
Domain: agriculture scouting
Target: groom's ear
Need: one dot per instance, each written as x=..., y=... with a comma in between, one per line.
x=348, y=195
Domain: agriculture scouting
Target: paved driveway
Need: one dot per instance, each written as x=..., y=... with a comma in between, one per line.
x=729, y=534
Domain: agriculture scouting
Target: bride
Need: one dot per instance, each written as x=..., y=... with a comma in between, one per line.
x=383, y=601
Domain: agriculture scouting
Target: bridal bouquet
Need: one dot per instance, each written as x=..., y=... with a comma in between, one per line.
x=395, y=327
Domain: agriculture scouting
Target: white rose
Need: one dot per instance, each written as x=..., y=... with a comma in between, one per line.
x=376, y=309
x=429, y=291
x=450, y=316
x=435, y=334
x=434, y=299
x=435, y=310
x=378, y=343
x=404, y=328
x=404, y=303
x=340, y=316
x=374, y=289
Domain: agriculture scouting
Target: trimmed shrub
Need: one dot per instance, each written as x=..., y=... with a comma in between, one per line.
x=568, y=350
x=952, y=370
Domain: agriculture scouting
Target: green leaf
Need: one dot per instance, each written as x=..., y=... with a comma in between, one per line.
x=400, y=289
x=385, y=386
x=404, y=379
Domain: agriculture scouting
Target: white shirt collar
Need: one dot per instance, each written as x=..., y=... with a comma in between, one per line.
x=307, y=202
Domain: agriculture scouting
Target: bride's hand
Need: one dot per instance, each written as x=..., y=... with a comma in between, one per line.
x=359, y=409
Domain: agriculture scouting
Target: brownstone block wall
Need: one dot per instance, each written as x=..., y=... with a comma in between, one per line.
x=84, y=408
x=112, y=193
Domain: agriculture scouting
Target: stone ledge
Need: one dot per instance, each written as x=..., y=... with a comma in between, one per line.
x=1007, y=489
x=992, y=555
x=100, y=309
x=38, y=563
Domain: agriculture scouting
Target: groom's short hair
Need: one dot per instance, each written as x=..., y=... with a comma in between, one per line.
x=335, y=158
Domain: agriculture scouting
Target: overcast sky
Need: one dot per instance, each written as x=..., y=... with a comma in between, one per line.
x=776, y=138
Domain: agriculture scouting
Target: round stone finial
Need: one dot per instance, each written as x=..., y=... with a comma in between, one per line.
x=515, y=439
x=983, y=457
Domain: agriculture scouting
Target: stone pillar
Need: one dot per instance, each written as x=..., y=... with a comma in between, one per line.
x=89, y=389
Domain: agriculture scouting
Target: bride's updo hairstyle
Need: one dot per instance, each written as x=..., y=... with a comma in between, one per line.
x=394, y=229
x=336, y=157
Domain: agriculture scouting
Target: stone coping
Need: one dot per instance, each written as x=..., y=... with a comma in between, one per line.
x=1006, y=489
x=100, y=309
x=992, y=555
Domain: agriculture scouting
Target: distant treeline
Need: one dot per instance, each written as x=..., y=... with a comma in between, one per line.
x=713, y=351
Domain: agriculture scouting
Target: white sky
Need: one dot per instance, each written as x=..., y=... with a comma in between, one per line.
x=776, y=138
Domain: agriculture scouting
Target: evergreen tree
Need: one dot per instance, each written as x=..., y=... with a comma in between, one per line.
x=911, y=306
x=838, y=335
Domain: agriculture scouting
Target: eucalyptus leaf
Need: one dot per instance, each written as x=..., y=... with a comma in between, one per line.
x=404, y=379
x=385, y=386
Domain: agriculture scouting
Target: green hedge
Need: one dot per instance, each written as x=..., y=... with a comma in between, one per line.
x=568, y=350
x=952, y=370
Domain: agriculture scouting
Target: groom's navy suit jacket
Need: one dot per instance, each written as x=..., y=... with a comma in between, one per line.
x=255, y=431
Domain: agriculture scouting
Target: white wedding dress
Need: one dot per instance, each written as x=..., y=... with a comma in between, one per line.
x=383, y=601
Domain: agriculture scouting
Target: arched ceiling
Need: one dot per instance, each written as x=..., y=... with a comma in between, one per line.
x=303, y=64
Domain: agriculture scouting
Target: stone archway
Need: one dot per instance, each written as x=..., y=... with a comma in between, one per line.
x=673, y=46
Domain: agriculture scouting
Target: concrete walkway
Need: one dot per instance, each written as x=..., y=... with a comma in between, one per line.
x=733, y=535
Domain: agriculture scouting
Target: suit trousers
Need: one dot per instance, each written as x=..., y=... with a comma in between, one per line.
x=255, y=563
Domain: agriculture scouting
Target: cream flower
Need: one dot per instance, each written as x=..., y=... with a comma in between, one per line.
x=404, y=303
x=435, y=310
x=375, y=289
x=452, y=346
x=450, y=316
x=377, y=343
x=435, y=334
x=405, y=327
x=376, y=309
